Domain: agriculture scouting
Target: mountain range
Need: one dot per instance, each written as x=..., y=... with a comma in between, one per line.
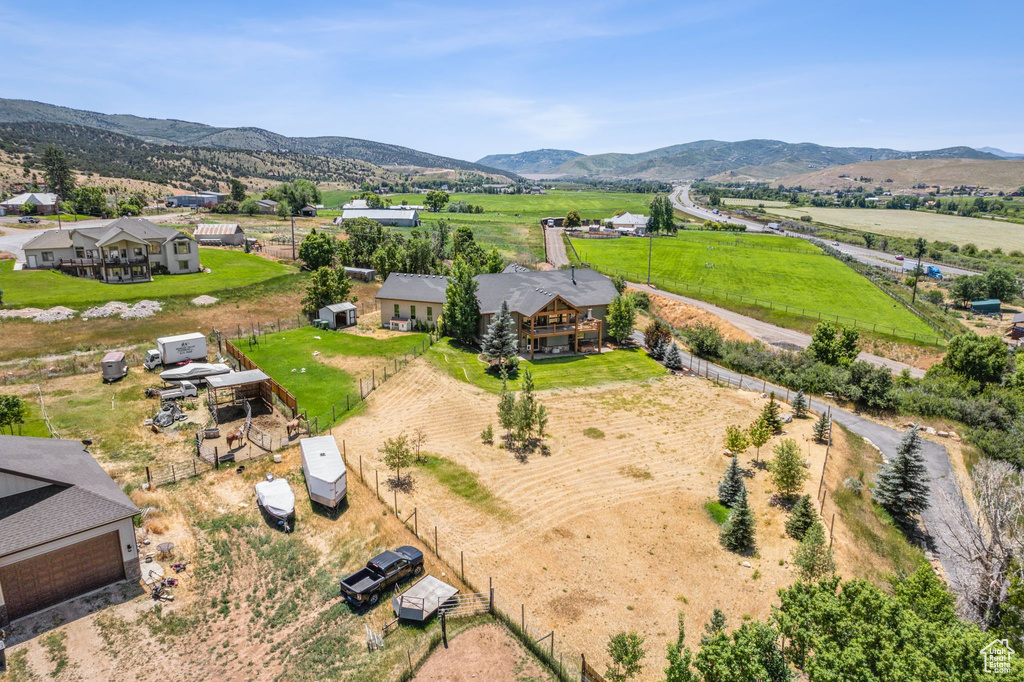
x=189, y=134
x=1000, y=152
x=757, y=159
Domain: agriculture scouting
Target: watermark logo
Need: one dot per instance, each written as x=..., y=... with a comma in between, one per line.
x=997, y=656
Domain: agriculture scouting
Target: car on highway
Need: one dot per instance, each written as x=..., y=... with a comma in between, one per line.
x=900, y=257
x=835, y=243
x=28, y=219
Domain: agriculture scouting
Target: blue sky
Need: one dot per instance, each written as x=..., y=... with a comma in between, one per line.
x=469, y=79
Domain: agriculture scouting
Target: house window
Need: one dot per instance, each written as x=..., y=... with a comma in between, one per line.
x=430, y=314
x=138, y=251
x=181, y=247
x=79, y=252
x=183, y=265
x=412, y=312
x=397, y=314
x=154, y=247
x=47, y=256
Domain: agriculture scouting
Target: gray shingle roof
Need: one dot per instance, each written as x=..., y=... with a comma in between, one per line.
x=526, y=291
x=338, y=307
x=79, y=494
x=404, y=287
x=216, y=229
x=249, y=376
x=137, y=227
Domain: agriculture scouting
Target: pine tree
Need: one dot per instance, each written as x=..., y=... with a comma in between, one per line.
x=822, y=428
x=500, y=339
x=524, y=413
x=673, y=359
x=787, y=467
x=656, y=348
x=680, y=658
x=461, y=312
x=713, y=627
x=799, y=405
x=813, y=556
x=801, y=517
x=902, y=484
x=738, y=532
x=506, y=405
x=732, y=485
x=770, y=414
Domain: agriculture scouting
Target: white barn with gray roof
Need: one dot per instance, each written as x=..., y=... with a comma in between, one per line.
x=396, y=217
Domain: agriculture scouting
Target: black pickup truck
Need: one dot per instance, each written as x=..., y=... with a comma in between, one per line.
x=364, y=587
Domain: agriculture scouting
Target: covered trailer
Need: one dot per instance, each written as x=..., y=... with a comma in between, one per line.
x=324, y=469
x=988, y=306
x=114, y=366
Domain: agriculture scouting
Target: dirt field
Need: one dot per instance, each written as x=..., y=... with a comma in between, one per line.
x=487, y=652
x=609, y=530
x=680, y=314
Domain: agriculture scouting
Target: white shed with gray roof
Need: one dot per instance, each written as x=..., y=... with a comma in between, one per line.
x=398, y=217
x=338, y=315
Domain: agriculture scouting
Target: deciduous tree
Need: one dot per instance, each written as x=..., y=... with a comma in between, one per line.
x=572, y=219
x=621, y=317
x=626, y=651
x=813, y=557
x=326, y=286
x=461, y=310
x=397, y=455
x=317, y=250
x=787, y=468
x=436, y=200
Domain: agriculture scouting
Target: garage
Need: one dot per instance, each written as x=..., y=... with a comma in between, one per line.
x=48, y=579
x=66, y=527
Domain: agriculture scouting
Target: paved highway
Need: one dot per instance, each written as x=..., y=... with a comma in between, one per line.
x=681, y=199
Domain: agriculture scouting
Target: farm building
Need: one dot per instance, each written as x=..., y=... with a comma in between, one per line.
x=396, y=217
x=126, y=250
x=197, y=200
x=365, y=274
x=1016, y=329
x=555, y=311
x=220, y=233
x=988, y=306
x=629, y=223
x=65, y=526
x=308, y=211
x=44, y=202
x=267, y=206
x=232, y=388
x=338, y=315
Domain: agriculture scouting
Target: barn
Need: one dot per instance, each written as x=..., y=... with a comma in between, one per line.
x=65, y=526
x=219, y=233
x=338, y=315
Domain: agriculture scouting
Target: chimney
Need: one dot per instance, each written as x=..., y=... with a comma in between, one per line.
x=573, y=274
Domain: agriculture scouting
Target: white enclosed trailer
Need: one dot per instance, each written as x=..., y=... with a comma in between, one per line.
x=324, y=469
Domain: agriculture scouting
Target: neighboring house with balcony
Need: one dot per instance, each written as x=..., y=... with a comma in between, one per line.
x=126, y=250
x=555, y=311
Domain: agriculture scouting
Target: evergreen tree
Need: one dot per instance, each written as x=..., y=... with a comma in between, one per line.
x=656, y=348
x=799, y=405
x=801, y=517
x=713, y=627
x=822, y=428
x=524, y=417
x=500, y=341
x=787, y=467
x=506, y=405
x=813, y=556
x=902, y=484
x=59, y=178
x=770, y=414
x=738, y=532
x=732, y=486
x=461, y=312
x=680, y=657
x=673, y=358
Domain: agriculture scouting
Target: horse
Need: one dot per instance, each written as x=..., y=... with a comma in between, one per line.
x=294, y=425
x=232, y=438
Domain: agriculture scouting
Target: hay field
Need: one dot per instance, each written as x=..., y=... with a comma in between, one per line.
x=985, y=234
x=606, y=532
x=1007, y=174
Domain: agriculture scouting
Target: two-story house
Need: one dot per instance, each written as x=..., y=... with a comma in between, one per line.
x=126, y=250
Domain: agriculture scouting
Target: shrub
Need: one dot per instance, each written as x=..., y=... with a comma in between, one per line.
x=705, y=340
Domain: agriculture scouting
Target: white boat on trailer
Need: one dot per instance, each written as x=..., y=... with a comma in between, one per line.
x=276, y=498
x=193, y=371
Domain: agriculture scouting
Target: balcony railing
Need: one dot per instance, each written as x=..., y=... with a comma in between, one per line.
x=590, y=325
x=108, y=262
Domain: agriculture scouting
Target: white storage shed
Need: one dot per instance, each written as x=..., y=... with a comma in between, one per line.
x=324, y=469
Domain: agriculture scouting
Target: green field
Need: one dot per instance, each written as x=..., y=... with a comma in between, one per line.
x=800, y=276
x=343, y=360
x=985, y=234
x=511, y=222
x=728, y=201
x=46, y=288
x=567, y=372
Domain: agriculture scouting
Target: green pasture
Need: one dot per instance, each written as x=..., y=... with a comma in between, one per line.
x=799, y=276
x=46, y=288
x=320, y=381
x=565, y=372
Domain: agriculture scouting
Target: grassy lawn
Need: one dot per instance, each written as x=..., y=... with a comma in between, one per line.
x=511, y=222
x=718, y=512
x=985, y=234
x=463, y=483
x=798, y=276
x=320, y=381
x=566, y=372
x=46, y=288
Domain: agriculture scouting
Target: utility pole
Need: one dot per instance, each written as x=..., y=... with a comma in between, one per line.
x=650, y=250
x=293, y=237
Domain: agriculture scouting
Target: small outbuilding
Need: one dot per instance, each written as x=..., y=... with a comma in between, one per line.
x=113, y=366
x=324, y=469
x=220, y=233
x=338, y=315
x=231, y=389
x=988, y=306
x=365, y=274
x=1016, y=329
x=421, y=601
x=308, y=211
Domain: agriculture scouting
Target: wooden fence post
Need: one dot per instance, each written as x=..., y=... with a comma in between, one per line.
x=149, y=479
x=462, y=563
x=361, y=479
x=416, y=522
x=376, y=476
x=436, y=553
x=831, y=529
x=396, y=501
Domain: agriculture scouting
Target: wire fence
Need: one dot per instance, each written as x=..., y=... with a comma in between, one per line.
x=684, y=288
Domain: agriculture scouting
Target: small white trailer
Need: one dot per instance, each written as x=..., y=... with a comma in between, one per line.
x=324, y=469
x=114, y=366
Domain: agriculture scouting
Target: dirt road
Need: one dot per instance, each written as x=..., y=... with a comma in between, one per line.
x=779, y=337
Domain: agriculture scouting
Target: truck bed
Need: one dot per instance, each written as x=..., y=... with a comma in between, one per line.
x=362, y=581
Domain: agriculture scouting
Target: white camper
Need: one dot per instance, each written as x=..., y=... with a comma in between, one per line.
x=324, y=470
